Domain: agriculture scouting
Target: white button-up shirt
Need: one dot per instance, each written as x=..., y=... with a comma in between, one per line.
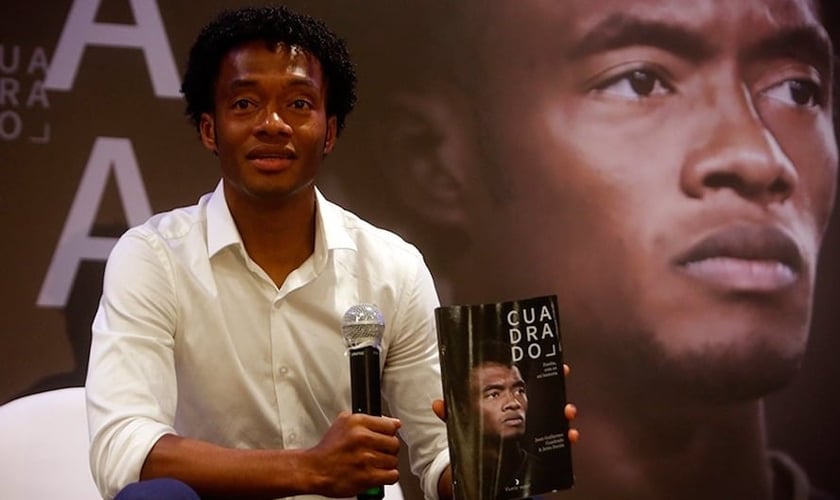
x=193, y=338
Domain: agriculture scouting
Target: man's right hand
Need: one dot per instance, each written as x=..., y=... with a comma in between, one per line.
x=358, y=452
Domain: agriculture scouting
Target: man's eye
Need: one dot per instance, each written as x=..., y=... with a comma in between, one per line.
x=241, y=104
x=492, y=395
x=301, y=104
x=796, y=92
x=635, y=85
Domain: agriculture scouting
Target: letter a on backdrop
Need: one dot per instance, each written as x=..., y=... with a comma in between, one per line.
x=81, y=29
x=75, y=243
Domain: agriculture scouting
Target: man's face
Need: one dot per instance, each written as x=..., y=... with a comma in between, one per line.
x=269, y=128
x=502, y=401
x=671, y=166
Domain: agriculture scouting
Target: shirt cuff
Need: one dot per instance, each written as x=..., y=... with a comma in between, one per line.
x=432, y=476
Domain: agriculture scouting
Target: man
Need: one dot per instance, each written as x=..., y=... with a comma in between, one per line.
x=501, y=407
x=217, y=359
x=668, y=169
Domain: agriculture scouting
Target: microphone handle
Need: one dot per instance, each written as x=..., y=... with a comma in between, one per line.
x=364, y=381
x=366, y=396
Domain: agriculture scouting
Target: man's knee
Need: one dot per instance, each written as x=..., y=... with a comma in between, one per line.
x=157, y=489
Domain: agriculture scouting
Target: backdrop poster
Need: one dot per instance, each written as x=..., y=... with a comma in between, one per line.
x=472, y=122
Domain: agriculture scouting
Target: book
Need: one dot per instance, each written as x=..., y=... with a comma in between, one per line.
x=505, y=393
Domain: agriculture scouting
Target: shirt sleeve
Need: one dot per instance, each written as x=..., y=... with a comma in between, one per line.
x=411, y=378
x=131, y=387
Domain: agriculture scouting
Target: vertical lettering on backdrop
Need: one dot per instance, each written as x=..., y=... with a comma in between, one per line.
x=109, y=153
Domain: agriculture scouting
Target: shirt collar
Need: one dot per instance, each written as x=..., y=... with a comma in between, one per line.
x=221, y=230
x=331, y=231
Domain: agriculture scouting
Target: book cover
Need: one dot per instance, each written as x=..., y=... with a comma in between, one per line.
x=504, y=387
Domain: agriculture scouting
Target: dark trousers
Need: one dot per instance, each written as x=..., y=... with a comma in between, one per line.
x=157, y=489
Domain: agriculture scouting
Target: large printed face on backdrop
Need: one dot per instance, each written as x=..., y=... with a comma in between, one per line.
x=269, y=128
x=668, y=167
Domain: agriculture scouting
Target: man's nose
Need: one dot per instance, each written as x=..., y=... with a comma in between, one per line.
x=272, y=122
x=512, y=402
x=736, y=151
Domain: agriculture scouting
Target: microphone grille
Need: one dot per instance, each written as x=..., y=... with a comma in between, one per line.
x=363, y=326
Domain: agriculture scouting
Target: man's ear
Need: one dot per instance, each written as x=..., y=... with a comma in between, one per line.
x=332, y=134
x=207, y=130
x=428, y=155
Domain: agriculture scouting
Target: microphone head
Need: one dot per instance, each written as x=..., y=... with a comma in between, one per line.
x=363, y=326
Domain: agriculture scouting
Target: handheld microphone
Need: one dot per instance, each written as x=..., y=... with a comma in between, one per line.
x=362, y=328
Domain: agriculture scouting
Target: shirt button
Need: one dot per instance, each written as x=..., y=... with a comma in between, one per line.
x=283, y=370
x=292, y=438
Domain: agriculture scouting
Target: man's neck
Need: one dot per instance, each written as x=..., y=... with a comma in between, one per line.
x=278, y=236
x=502, y=452
x=717, y=453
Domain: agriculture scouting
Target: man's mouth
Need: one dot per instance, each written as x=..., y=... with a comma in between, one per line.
x=514, y=421
x=745, y=258
x=271, y=158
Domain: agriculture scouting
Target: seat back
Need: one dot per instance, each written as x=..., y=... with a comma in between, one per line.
x=44, y=451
